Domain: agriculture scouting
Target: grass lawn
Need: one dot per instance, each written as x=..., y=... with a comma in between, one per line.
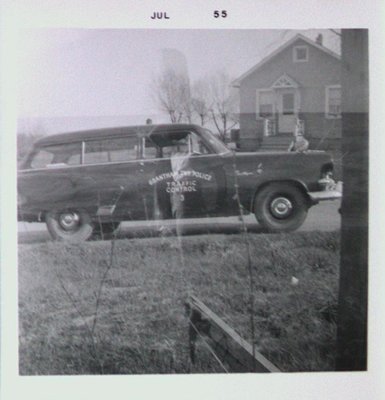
x=141, y=325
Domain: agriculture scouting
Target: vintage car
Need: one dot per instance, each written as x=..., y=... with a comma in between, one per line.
x=84, y=183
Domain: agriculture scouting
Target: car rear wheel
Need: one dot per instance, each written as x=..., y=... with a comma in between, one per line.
x=281, y=207
x=70, y=225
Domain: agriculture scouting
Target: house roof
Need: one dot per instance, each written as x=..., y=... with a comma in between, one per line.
x=236, y=82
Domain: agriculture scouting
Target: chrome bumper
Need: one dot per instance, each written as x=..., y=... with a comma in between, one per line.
x=325, y=195
x=331, y=193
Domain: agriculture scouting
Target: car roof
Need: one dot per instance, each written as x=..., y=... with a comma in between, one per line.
x=138, y=130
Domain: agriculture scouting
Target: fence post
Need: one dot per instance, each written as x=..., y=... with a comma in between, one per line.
x=228, y=346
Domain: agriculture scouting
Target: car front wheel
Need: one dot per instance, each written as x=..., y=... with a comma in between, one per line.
x=70, y=225
x=281, y=207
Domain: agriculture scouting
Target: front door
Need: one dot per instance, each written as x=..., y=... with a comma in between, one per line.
x=287, y=105
x=180, y=173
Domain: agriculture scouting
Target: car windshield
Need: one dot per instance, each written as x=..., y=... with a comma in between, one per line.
x=218, y=146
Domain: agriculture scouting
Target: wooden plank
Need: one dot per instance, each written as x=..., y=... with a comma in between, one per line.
x=229, y=346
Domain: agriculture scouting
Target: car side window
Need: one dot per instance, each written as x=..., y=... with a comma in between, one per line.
x=163, y=146
x=110, y=150
x=150, y=149
x=57, y=156
x=189, y=144
x=197, y=146
x=181, y=146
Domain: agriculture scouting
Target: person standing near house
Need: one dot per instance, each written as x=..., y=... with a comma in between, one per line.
x=299, y=144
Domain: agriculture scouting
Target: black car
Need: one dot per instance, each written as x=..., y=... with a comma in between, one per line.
x=82, y=183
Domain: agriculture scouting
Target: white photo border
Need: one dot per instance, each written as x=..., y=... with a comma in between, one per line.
x=260, y=14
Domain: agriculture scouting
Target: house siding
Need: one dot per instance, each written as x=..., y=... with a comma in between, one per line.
x=313, y=76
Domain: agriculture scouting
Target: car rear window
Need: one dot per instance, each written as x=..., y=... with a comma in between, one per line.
x=57, y=155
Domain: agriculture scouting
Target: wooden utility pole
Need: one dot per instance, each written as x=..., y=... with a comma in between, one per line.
x=353, y=291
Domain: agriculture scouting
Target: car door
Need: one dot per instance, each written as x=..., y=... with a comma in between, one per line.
x=174, y=171
x=111, y=177
x=210, y=179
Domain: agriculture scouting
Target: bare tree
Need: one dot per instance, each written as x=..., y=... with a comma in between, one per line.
x=201, y=101
x=211, y=98
x=171, y=93
x=224, y=103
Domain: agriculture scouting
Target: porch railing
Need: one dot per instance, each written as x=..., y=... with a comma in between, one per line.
x=269, y=127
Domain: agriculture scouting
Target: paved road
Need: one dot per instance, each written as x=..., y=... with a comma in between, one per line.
x=323, y=217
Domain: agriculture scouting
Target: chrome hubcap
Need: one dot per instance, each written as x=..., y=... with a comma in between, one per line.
x=69, y=221
x=281, y=207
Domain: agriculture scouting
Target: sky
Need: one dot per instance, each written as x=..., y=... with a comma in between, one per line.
x=98, y=72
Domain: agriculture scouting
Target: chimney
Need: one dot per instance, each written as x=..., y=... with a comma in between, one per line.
x=319, y=39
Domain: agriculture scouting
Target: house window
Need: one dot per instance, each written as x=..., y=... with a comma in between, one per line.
x=265, y=108
x=300, y=54
x=333, y=101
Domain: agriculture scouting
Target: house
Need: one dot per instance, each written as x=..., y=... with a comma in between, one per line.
x=295, y=89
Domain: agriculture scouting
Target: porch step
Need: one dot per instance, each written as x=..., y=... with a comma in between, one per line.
x=279, y=143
